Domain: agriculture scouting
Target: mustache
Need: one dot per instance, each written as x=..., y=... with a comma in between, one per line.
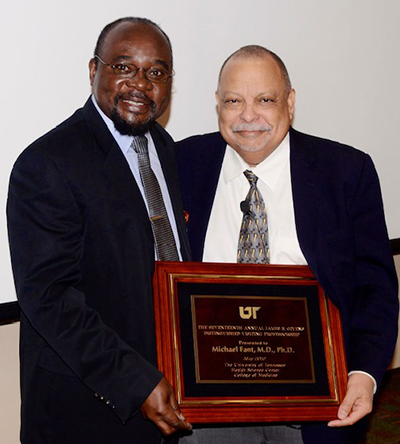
x=134, y=96
x=251, y=127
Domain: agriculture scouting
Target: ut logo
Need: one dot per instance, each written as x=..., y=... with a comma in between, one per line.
x=248, y=312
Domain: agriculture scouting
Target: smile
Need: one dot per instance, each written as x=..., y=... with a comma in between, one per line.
x=250, y=134
x=134, y=103
x=250, y=130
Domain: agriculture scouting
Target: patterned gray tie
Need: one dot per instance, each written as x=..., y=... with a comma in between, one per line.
x=253, y=244
x=162, y=231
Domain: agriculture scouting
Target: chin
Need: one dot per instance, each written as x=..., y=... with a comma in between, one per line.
x=130, y=127
x=251, y=148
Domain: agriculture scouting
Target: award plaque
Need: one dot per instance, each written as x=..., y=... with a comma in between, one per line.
x=248, y=343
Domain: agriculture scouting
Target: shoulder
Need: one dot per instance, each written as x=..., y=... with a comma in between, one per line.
x=63, y=135
x=162, y=135
x=342, y=171
x=52, y=150
x=324, y=148
x=210, y=146
x=72, y=139
x=210, y=139
x=334, y=158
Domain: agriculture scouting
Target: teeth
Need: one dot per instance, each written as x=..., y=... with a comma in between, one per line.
x=134, y=103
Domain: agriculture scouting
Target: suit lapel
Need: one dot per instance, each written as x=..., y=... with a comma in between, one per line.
x=306, y=194
x=116, y=169
x=205, y=183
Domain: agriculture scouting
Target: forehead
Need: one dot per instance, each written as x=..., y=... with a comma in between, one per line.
x=136, y=40
x=251, y=72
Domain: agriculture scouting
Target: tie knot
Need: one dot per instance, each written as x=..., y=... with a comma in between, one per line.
x=139, y=144
x=251, y=177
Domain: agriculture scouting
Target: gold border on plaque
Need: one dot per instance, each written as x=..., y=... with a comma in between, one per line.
x=228, y=409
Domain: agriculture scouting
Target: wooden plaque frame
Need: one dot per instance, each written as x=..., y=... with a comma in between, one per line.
x=223, y=401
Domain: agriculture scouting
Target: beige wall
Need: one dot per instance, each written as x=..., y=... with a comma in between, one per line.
x=9, y=384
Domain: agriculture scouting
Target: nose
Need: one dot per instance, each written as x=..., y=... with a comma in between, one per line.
x=248, y=114
x=139, y=81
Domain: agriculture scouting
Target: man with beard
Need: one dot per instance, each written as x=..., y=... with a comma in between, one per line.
x=307, y=201
x=87, y=218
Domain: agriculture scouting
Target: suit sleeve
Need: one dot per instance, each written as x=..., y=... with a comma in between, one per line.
x=374, y=313
x=46, y=228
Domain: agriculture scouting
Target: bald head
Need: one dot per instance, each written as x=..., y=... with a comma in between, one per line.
x=256, y=51
x=98, y=50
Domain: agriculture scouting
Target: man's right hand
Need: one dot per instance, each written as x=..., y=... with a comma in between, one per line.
x=162, y=408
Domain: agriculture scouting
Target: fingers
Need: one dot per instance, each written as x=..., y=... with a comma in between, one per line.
x=162, y=408
x=357, y=402
x=177, y=411
x=350, y=412
x=170, y=419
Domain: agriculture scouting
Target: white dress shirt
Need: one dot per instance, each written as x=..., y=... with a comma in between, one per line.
x=275, y=185
x=124, y=142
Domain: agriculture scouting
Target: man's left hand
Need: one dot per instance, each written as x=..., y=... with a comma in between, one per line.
x=357, y=402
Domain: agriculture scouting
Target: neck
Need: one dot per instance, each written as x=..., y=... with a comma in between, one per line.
x=254, y=158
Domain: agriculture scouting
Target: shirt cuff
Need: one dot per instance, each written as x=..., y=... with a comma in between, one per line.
x=367, y=374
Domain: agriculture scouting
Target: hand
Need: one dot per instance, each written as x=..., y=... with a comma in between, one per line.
x=357, y=402
x=161, y=408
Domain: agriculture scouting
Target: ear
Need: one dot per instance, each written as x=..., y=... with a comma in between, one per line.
x=217, y=99
x=92, y=70
x=291, y=102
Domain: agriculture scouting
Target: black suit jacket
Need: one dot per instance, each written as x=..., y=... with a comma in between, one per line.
x=82, y=252
x=340, y=227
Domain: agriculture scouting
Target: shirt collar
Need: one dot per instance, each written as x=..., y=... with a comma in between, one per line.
x=124, y=142
x=269, y=170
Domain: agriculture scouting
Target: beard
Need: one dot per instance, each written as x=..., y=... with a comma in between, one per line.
x=251, y=147
x=132, y=128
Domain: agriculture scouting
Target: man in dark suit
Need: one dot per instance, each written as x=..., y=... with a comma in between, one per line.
x=323, y=208
x=83, y=253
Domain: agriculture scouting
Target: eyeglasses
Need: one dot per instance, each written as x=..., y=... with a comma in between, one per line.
x=154, y=74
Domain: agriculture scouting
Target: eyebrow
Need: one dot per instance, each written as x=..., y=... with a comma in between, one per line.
x=130, y=58
x=269, y=92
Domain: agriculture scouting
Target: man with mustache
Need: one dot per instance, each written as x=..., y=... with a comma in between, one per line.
x=92, y=204
x=307, y=201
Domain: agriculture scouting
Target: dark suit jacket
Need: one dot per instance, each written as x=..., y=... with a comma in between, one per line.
x=83, y=258
x=340, y=227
